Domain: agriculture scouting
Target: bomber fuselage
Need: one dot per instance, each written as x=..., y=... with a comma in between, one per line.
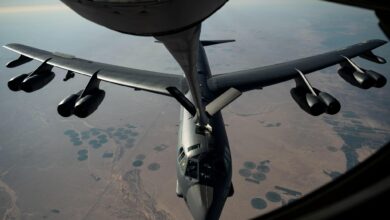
x=204, y=168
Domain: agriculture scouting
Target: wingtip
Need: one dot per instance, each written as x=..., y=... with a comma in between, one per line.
x=10, y=45
x=379, y=41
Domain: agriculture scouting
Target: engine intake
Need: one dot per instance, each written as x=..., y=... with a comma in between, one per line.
x=379, y=79
x=15, y=83
x=66, y=106
x=332, y=105
x=88, y=104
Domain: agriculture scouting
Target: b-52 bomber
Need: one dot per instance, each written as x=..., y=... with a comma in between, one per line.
x=204, y=168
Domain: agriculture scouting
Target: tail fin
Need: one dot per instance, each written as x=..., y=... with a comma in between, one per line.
x=206, y=43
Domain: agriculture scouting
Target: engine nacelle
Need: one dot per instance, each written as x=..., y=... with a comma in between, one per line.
x=379, y=79
x=15, y=83
x=332, y=105
x=355, y=78
x=37, y=81
x=20, y=61
x=372, y=57
x=89, y=103
x=66, y=106
x=308, y=102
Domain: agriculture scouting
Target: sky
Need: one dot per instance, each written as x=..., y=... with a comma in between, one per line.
x=33, y=147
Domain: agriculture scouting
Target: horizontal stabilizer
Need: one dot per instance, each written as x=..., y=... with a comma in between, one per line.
x=222, y=101
x=206, y=43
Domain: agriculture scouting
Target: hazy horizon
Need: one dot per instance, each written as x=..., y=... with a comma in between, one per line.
x=111, y=164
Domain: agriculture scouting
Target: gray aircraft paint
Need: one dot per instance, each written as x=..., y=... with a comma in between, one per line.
x=204, y=200
x=205, y=197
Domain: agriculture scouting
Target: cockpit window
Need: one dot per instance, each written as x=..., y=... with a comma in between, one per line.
x=203, y=169
x=193, y=147
x=182, y=159
x=192, y=168
x=205, y=173
x=181, y=154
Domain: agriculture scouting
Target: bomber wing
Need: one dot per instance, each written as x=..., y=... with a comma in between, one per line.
x=256, y=78
x=310, y=99
x=138, y=79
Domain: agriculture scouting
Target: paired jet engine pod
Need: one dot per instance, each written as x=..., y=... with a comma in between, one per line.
x=360, y=77
x=355, y=78
x=315, y=105
x=85, y=102
x=30, y=83
x=312, y=100
x=308, y=102
x=33, y=81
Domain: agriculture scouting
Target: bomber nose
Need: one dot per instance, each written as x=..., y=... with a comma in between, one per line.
x=199, y=199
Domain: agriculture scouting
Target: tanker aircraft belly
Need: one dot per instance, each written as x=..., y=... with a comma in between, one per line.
x=203, y=160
